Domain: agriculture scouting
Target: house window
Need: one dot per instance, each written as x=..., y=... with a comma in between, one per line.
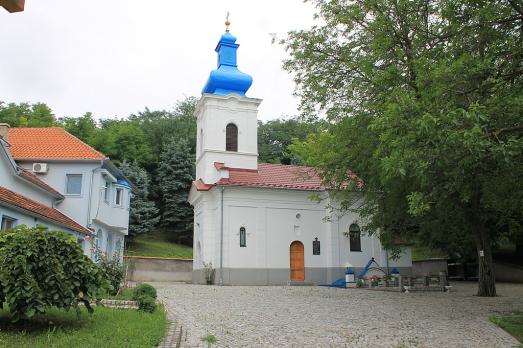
x=118, y=197
x=109, y=245
x=107, y=191
x=7, y=223
x=231, y=137
x=243, y=238
x=74, y=184
x=99, y=240
x=355, y=237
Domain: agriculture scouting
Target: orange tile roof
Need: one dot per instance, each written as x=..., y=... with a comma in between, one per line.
x=49, y=143
x=35, y=208
x=269, y=175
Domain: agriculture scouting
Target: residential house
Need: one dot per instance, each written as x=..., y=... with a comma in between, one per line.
x=57, y=170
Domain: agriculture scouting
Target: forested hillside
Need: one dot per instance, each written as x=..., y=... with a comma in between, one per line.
x=155, y=148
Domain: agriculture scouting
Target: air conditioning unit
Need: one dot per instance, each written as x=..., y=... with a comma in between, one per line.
x=40, y=168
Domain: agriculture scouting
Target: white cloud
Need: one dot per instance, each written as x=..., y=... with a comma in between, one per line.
x=115, y=57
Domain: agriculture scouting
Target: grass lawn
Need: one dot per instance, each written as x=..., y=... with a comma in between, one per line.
x=157, y=244
x=513, y=324
x=105, y=328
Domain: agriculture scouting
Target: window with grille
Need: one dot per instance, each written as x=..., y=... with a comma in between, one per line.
x=231, y=137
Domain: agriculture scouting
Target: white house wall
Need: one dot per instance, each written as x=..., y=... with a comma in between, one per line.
x=31, y=221
x=88, y=209
x=16, y=184
x=74, y=206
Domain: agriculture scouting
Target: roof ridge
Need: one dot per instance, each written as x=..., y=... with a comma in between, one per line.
x=50, y=143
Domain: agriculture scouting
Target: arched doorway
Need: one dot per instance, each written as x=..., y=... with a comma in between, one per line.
x=297, y=260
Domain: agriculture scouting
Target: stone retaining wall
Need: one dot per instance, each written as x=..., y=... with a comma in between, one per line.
x=423, y=268
x=158, y=269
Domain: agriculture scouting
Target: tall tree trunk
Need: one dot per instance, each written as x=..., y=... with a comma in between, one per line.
x=486, y=279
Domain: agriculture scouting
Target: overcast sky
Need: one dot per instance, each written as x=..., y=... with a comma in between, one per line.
x=115, y=57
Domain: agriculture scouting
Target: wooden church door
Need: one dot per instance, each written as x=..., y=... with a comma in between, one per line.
x=297, y=262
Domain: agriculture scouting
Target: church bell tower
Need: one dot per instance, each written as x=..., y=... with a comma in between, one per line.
x=226, y=119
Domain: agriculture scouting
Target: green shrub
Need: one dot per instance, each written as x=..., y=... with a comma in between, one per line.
x=41, y=269
x=111, y=268
x=144, y=289
x=146, y=303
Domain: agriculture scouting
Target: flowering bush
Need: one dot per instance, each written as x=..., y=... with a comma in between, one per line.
x=41, y=269
x=374, y=280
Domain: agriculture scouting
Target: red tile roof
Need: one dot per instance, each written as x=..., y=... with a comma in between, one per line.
x=37, y=181
x=16, y=200
x=48, y=143
x=269, y=176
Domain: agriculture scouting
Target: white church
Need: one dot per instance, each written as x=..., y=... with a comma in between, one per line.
x=256, y=222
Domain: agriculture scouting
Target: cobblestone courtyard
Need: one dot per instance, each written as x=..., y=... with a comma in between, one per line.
x=326, y=317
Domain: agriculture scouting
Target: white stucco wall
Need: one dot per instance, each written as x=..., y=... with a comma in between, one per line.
x=89, y=208
x=270, y=219
x=30, y=221
x=214, y=113
x=14, y=183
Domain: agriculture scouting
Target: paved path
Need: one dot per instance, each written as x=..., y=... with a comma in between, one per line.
x=323, y=317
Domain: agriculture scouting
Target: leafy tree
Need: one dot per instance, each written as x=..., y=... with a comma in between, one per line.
x=41, y=269
x=426, y=102
x=143, y=215
x=275, y=136
x=84, y=128
x=27, y=115
x=122, y=140
x=175, y=175
x=160, y=126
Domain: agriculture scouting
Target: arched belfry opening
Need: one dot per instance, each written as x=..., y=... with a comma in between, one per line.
x=231, y=137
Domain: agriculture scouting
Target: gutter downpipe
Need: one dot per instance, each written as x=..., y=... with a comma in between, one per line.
x=221, y=239
x=90, y=197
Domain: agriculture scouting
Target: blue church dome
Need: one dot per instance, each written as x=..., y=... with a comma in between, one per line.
x=227, y=79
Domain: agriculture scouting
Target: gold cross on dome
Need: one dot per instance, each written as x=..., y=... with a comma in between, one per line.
x=227, y=22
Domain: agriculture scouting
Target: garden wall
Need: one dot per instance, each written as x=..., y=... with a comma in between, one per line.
x=429, y=267
x=158, y=269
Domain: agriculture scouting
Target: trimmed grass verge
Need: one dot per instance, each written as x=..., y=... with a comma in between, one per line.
x=105, y=328
x=513, y=324
x=157, y=244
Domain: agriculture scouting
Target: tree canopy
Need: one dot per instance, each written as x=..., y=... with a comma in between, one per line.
x=425, y=100
x=27, y=115
x=175, y=175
